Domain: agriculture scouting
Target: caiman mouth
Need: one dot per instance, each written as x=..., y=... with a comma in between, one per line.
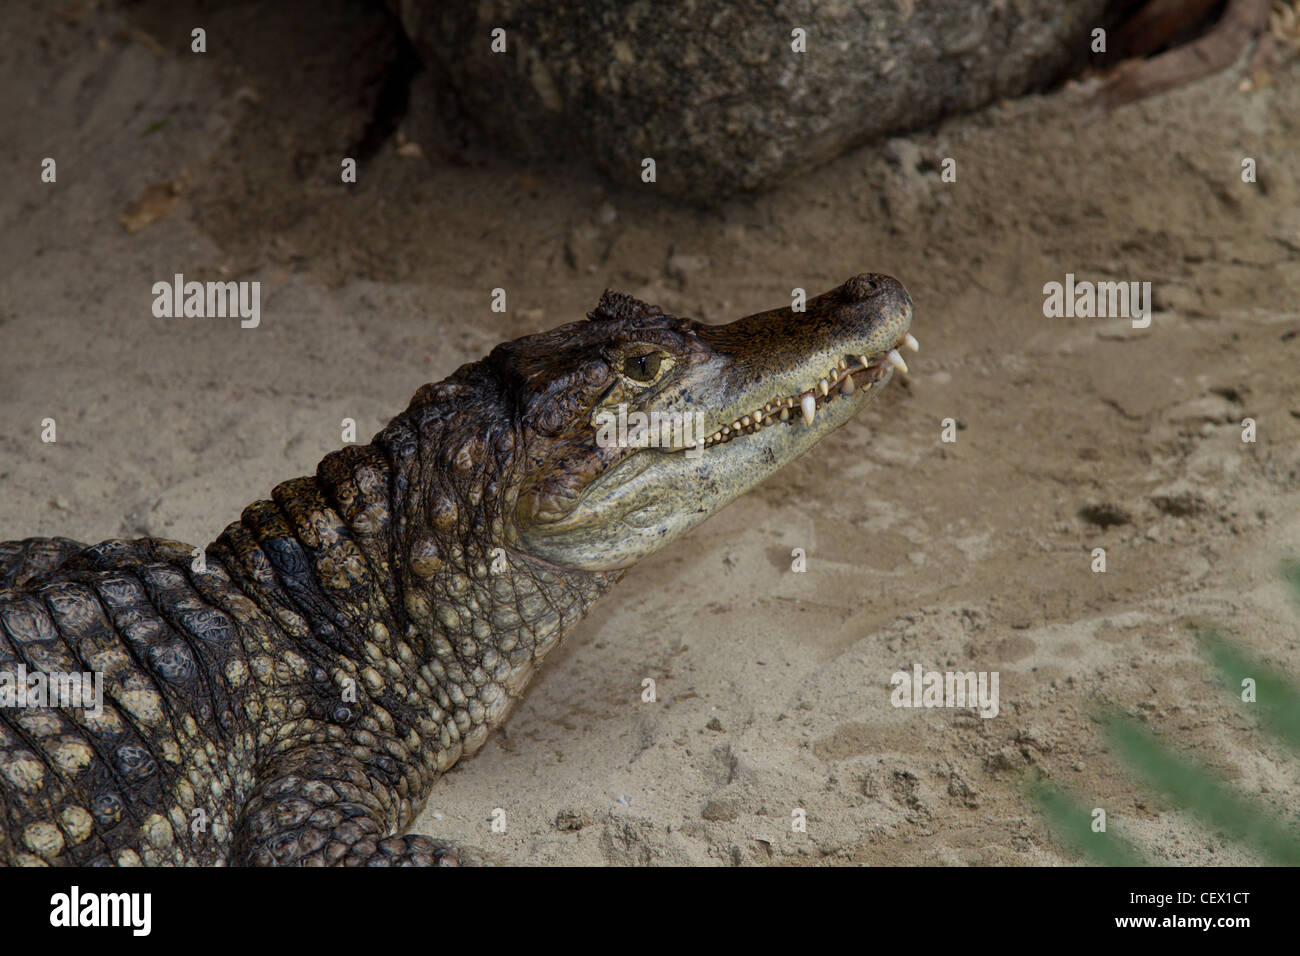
x=853, y=374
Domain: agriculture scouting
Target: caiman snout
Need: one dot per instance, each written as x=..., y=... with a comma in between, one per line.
x=794, y=360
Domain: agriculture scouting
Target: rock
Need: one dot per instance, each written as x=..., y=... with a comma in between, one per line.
x=721, y=809
x=716, y=94
x=569, y=819
x=1105, y=514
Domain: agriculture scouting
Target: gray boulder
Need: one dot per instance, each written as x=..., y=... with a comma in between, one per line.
x=714, y=92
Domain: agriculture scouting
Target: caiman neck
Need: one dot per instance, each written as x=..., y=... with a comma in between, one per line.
x=486, y=613
x=395, y=557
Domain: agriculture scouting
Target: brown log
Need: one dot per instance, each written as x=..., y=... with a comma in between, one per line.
x=1218, y=49
x=1158, y=23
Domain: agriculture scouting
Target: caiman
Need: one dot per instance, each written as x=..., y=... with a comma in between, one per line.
x=289, y=693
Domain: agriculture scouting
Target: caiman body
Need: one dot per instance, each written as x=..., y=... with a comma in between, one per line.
x=290, y=695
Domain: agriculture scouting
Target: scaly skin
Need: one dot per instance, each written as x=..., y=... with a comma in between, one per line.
x=292, y=699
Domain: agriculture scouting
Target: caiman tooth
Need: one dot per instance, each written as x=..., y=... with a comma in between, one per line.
x=785, y=414
x=910, y=341
x=863, y=359
x=824, y=387
x=847, y=387
x=896, y=360
x=808, y=404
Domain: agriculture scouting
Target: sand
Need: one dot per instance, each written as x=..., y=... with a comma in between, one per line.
x=773, y=687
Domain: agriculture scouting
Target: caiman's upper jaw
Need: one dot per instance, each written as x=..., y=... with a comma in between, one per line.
x=789, y=367
x=853, y=374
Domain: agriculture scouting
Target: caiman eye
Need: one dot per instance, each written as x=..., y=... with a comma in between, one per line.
x=643, y=368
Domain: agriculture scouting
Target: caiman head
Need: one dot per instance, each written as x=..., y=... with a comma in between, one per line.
x=512, y=494
x=601, y=441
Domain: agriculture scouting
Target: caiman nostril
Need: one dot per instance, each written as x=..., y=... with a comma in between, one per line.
x=860, y=286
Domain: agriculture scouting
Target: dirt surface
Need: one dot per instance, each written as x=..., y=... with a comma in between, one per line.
x=773, y=687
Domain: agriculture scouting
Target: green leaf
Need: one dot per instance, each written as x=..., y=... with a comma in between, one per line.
x=1277, y=699
x=1193, y=789
x=1073, y=824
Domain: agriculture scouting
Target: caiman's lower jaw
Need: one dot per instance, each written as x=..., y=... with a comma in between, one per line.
x=854, y=375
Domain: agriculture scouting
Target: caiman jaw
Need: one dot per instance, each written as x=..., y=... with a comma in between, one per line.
x=855, y=374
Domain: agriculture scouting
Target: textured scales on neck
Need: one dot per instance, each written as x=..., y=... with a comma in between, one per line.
x=412, y=611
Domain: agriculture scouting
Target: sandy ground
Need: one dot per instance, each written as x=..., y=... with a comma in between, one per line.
x=773, y=687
